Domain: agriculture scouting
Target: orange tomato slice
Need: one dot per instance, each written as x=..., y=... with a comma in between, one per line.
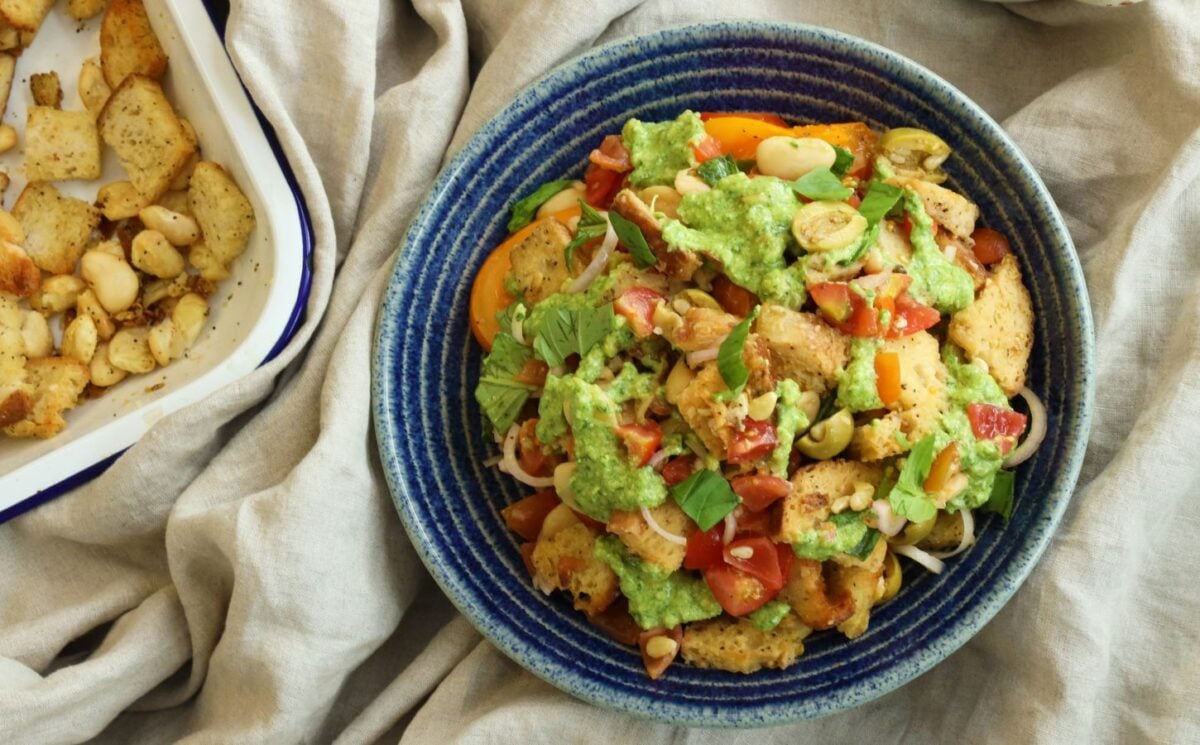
x=488, y=296
x=739, y=136
x=887, y=377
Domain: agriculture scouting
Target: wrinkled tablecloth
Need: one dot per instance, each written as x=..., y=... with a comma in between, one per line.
x=240, y=575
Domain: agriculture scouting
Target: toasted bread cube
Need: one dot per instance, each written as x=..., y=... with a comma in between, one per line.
x=128, y=45
x=815, y=488
x=702, y=328
x=648, y=545
x=8, y=68
x=922, y=383
x=61, y=145
x=862, y=584
x=564, y=561
x=46, y=89
x=139, y=123
x=951, y=210
x=57, y=383
x=737, y=645
x=16, y=394
x=93, y=88
x=538, y=263
x=81, y=10
x=18, y=274
x=803, y=347
x=877, y=440
x=709, y=418
x=813, y=599
x=120, y=200
x=57, y=228
x=998, y=327
x=25, y=15
x=225, y=215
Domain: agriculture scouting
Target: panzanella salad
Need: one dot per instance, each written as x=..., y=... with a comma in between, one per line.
x=746, y=366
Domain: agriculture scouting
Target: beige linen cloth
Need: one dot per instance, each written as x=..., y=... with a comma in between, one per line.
x=240, y=575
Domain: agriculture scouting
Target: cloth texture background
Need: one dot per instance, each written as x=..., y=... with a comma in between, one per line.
x=240, y=575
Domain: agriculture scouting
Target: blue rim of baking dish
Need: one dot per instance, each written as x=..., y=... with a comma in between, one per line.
x=569, y=675
x=218, y=11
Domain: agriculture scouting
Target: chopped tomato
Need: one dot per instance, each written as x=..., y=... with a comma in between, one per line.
x=786, y=558
x=845, y=309
x=758, y=558
x=908, y=227
x=612, y=155
x=990, y=245
x=527, y=556
x=707, y=149
x=750, y=524
x=641, y=440
x=737, y=592
x=676, y=470
x=762, y=116
x=854, y=200
x=590, y=521
x=533, y=372
x=637, y=305
x=942, y=468
x=533, y=458
x=910, y=316
x=753, y=441
x=996, y=423
x=704, y=548
x=887, y=377
x=656, y=666
x=761, y=490
x=734, y=299
x=525, y=517
x=601, y=184
x=617, y=623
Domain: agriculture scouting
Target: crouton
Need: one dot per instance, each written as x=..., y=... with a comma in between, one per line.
x=922, y=383
x=81, y=10
x=648, y=545
x=815, y=602
x=951, y=210
x=128, y=45
x=93, y=88
x=677, y=264
x=16, y=394
x=46, y=89
x=876, y=439
x=564, y=561
x=18, y=274
x=539, y=266
x=815, y=488
x=803, y=348
x=702, y=328
x=223, y=212
x=25, y=15
x=8, y=68
x=711, y=420
x=139, y=123
x=119, y=200
x=57, y=228
x=61, y=145
x=57, y=383
x=862, y=585
x=998, y=327
x=10, y=39
x=737, y=645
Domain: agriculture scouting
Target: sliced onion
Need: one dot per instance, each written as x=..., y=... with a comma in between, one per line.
x=968, y=538
x=1037, y=430
x=932, y=563
x=730, y=528
x=492, y=461
x=889, y=522
x=598, y=261
x=673, y=538
x=509, y=463
x=702, y=356
x=874, y=281
x=658, y=459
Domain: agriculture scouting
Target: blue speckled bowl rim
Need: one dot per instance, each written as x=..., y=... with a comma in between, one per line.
x=960, y=630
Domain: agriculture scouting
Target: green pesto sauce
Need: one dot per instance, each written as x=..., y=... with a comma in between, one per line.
x=657, y=598
x=604, y=478
x=659, y=150
x=937, y=281
x=768, y=617
x=593, y=297
x=841, y=534
x=979, y=459
x=789, y=420
x=744, y=224
x=857, y=389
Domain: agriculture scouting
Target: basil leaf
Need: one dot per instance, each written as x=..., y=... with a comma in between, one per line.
x=507, y=357
x=821, y=185
x=591, y=225
x=843, y=161
x=879, y=201
x=746, y=165
x=566, y=332
x=908, y=497
x=706, y=497
x=591, y=326
x=729, y=356
x=1001, y=500
x=828, y=406
x=501, y=400
x=715, y=169
x=524, y=210
x=631, y=236
x=866, y=545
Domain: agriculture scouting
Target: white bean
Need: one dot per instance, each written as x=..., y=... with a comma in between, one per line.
x=112, y=279
x=102, y=372
x=565, y=199
x=87, y=305
x=687, y=182
x=129, y=350
x=36, y=332
x=189, y=316
x=662, y=199
x=80, y=339
x=180, y=230
x=153, y=254
x=166, y=342
x=789, y=158
x=57, y=293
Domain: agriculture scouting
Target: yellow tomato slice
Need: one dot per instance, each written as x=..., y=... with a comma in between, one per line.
x=739, y=137
x=488, y=296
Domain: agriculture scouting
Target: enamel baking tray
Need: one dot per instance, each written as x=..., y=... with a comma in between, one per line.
x=253, y=313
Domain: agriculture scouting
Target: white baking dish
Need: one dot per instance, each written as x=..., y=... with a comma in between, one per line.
x=253, y=313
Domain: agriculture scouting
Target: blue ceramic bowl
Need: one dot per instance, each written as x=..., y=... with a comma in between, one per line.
x=431, y=433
